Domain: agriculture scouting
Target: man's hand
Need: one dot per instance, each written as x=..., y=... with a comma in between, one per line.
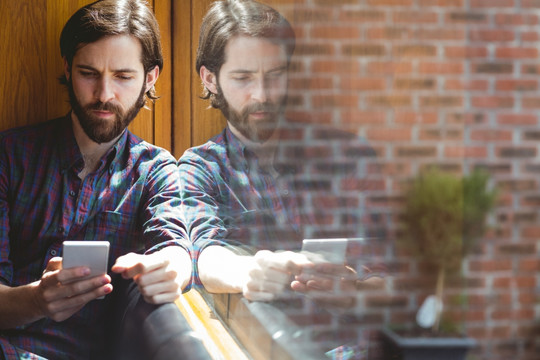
x=271, y=273
x=328, y=284
x=61, y=293
x=160, y=276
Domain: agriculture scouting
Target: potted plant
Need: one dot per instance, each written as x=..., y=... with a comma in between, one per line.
x=443, y=215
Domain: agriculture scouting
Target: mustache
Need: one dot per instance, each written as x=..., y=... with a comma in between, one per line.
x=260, y=107
x=101, y=106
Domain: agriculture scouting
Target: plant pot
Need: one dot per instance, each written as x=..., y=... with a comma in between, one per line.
x=397, y=347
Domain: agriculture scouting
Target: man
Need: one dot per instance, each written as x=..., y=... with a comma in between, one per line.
x=242, y=204
x=85, y=177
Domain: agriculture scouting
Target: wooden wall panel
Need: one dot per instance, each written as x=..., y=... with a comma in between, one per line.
x=162, y=108
x=182, y=76
x=23, y=48
x=205, y=122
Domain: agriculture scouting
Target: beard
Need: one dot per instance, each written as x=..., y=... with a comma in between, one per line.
x=103, y=130
x=259, y=130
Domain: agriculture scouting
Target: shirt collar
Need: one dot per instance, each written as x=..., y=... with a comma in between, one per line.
x=241, y=156
x=237, y=151
x=70, y=153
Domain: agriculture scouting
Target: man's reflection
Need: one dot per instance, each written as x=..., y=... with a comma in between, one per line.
x=245, y=195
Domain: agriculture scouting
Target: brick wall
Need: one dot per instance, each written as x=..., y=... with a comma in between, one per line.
x=450, y=83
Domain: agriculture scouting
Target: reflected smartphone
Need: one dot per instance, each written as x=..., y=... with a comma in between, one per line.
x=94, y=254
x=332, y=250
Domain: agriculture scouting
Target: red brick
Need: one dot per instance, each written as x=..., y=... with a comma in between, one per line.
x=414, y=83
x=517, y=119
x=460, y=17
x=335, y=32
x=362, y=16
x=308, y=84
x=389, y=67
x=389, y=100
x=530, y=4
x=465, y=152
x=529, y=298
x=367, y=83
x=491, y=3
x=490, y=265
x=530, y=103
x=390, y=2
x=465, y=51
x=515, y=185
x=489, y=135
x=306, y=49
x=502, y=282
x=391, y=169
x=443, y=3
x=501, y=332
x=516, y=19
x=531, y=232
x=529, y=265
x=516, y=85
x=440, y=34
x=335, y=101
x=415, y=117
x=466, y=118
x=363, y=117
x=315, y=117
x=491, y=35
x=441, y=101
x=530, y=36
x=415, y=50
x=516, y=53
x=389, y=134
x=470, y=85
x=363, y=50
x=492, y=68
x=440, y=134
x=415, y=151
x=415, y=17
x=440, y=68
x=525, y=281
x=389, y=33
x=492, y=102
x=307, y=15
x=516, y=152
x=334, y=66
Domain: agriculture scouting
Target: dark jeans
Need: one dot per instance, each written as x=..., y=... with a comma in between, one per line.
x=154, y=332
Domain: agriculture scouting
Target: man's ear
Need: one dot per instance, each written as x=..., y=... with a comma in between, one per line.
x=67, y=69
x=209, y=79
x=151, y=78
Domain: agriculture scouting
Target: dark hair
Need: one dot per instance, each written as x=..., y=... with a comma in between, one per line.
x=114, y=17
x=229, y=18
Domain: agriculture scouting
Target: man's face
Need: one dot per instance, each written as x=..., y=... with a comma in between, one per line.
x=253, y=82
x=106, y=86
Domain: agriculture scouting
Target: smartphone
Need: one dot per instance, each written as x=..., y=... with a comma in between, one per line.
x=93, y=254
x=332, y=250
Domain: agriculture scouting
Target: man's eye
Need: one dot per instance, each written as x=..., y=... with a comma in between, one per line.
x=87, y=73
x=275, y=75
x=125, y=77
x=241, y=78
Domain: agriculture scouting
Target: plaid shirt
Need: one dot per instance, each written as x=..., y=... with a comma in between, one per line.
x=132, y=200
x=227, y=198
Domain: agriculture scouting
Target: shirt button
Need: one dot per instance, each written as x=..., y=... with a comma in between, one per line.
x=53, y=252
x=72, y=193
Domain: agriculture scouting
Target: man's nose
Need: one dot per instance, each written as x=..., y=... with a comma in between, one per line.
x=104, y=91
x=260, y=91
